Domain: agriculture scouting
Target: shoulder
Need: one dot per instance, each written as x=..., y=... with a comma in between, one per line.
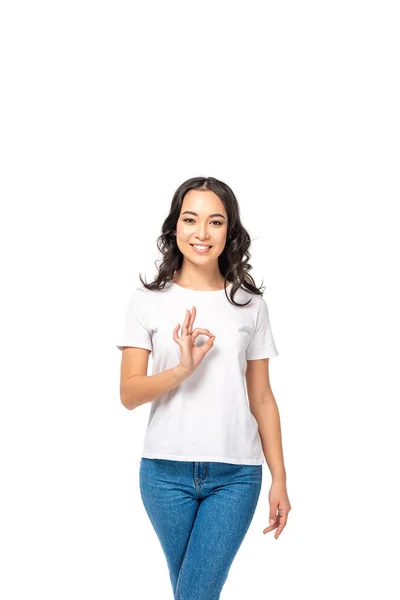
x=139, y=298
x=252, y=300
x=256, y=309
x=145, y=299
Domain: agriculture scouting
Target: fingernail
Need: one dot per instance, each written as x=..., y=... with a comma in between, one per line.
x=271, y=521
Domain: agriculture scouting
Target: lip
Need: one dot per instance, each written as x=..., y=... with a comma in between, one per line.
x=201, y=251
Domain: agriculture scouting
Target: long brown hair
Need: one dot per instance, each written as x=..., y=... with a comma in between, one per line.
x=234, y=260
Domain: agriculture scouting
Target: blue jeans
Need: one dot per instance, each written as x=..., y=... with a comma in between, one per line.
x=201, y=512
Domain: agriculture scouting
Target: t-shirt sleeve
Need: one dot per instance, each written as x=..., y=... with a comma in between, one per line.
x=262, y=344
x=135, y=331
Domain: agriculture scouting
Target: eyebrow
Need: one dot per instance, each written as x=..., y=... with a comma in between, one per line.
x=191, y=212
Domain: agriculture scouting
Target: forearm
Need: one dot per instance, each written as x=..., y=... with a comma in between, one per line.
x=267, y=415
x=140, y=389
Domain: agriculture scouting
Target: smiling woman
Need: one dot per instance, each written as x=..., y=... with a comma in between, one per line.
x=206, y=440
x=202, y=232
x=204, y=212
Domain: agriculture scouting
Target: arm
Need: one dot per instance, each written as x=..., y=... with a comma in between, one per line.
x=265, y=410
x=136, y=387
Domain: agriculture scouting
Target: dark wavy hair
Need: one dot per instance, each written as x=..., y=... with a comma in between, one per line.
x=233, y=261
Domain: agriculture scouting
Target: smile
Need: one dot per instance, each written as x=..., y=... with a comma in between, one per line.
x=200, y=248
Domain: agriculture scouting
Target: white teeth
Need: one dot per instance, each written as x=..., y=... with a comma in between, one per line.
x=201, y=247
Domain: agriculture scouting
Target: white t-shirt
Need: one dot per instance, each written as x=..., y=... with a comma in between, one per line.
x=207, y=417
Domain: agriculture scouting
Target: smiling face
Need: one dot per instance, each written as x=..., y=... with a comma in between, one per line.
x=203, y=222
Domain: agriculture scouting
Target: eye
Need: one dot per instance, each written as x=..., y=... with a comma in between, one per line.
x=189, y=219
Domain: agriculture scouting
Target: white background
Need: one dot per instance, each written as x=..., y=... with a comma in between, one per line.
x=106, y=108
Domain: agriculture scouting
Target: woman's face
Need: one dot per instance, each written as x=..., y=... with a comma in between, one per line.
x=203, y=221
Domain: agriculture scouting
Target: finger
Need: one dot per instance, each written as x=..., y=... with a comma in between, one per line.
x=273, y=518
x=272, y=514
x=272, y=527
x=200, y=331
x=207, y=345
x=192, y=318
x=282, y=523
x=273, y=510
x=175, y=333
x=185, y=324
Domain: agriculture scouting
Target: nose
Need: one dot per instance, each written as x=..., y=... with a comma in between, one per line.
x=202, y=235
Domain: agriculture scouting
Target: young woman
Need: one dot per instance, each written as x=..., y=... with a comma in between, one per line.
x=213, y=416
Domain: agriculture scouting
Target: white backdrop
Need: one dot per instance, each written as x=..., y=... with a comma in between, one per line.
x=106, y=108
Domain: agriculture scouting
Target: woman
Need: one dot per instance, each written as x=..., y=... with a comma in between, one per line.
x=213, y=416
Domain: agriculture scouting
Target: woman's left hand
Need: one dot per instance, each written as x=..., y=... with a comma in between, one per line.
x=278, y=503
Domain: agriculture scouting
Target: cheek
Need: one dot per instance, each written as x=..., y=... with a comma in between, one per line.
x=183, y=231
x=221, y=238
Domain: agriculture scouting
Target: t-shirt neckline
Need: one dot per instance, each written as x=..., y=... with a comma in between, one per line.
x=176, y=285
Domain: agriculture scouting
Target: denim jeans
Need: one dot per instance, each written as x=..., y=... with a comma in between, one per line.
x=201, y=512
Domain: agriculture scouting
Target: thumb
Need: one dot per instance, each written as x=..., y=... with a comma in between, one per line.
x=208, y=344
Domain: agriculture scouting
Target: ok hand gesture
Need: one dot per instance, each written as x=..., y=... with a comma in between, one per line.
x=192, y=355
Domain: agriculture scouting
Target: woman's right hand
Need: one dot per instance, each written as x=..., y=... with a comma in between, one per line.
x=191, y=355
